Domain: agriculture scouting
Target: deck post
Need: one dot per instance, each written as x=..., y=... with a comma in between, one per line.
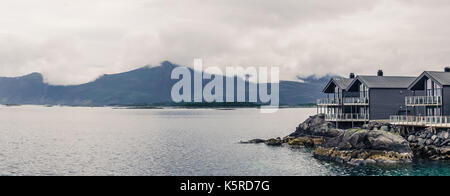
x=351, y=111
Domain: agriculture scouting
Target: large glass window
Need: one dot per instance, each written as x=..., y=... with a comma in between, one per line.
x=337, y=92
x=363, y=91
x=432, y=88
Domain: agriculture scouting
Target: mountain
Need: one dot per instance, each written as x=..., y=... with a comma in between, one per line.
x=146, y=85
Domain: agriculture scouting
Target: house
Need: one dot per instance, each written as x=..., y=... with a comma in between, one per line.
x=365, y=98
x=430, y=102
x=333, y=105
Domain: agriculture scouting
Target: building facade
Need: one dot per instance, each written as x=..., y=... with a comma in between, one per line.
x=365, y=98
x=430, y=103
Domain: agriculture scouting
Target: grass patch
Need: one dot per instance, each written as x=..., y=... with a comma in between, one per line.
x=353, y=130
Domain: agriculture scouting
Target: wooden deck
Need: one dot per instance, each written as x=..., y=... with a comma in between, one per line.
x=421, y=121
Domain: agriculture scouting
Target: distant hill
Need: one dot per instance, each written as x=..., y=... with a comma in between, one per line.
x=146, y=85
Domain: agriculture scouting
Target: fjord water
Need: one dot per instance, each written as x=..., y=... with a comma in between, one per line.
x=36, y=140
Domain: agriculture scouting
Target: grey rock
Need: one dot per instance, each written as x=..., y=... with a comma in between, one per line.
x=423, y=136
x=421, y=141
x=365, y=126
x=274, y=142
x=437, y=142
x=316, y=126
x=368, y=140
x=253, y=141
x=446, y=142
x=412, y=138
x=384, y=128
x=434, y=137
x=429, y=142
x=429, y=135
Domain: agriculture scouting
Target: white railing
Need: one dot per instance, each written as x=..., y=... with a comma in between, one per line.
x=356, y=101
x=328, y=101
x=426, y=121
x=346, y=100
x=423, y=100
x=347, y=117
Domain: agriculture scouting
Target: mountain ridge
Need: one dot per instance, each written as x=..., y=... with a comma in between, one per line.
x=145, y=85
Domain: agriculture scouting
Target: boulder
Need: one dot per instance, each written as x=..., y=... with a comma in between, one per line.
x=429, y=135
x=358, y=146
x=364, y=139
x=421, y=141
x=365, y=126
x=434, y=137
x=443, y=135
x=437, y=142
x=411, y=138
x=423, y=135
x=384, y=128
x=316, y=126
x=445, y=142
x=428, y=142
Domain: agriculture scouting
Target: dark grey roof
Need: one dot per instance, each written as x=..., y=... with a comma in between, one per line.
x=442, y=78
x=385, y=81
x=342, y=83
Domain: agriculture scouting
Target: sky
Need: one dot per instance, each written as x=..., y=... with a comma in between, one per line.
x=72, y=42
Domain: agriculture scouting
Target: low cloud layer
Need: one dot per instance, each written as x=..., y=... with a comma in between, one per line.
x=73, y=42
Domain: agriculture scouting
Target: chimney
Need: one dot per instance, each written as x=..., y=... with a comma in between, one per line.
x=380, y=73
x=447, y=69
x=352, y=75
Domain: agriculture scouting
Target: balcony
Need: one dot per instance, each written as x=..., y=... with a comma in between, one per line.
x=423, y=101
x=347, y=117
x=356, y=101
x=422, y=121
x=328, y=101
x=346, y=101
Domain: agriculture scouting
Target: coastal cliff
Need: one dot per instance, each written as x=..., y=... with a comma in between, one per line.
x=372, y=143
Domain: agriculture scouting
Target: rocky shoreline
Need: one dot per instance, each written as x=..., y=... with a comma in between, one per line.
x=373, y=143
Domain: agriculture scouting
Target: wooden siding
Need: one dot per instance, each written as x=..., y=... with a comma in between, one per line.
x=387, y=102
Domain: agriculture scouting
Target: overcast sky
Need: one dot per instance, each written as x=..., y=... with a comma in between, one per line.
x=73, y=42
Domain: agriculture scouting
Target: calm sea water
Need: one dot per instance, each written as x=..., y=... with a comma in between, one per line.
x=37, y=140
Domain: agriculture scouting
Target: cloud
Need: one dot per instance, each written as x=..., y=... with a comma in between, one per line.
x=76, y=41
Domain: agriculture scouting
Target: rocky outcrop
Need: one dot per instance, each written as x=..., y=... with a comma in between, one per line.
x=429, y=144
x=431, y=152
x=253, y=141
x=359, y=146
x=372, y=143
x=274, y=142
x=316, y=126
x=306, y=141
x=427, y=137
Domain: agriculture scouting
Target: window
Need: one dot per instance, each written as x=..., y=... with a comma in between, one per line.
x=363, y=91
x=432, y=88
x=337, y=92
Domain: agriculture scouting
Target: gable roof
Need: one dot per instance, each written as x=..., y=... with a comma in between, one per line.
x=384, y=81
x=442, y=78
x=342, y=83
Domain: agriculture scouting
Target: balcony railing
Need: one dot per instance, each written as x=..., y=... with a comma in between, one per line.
x=423, y=101
x=356, y=101
x=347, y=117
x=328, y=101
x=424, y=121
x=346, y=101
